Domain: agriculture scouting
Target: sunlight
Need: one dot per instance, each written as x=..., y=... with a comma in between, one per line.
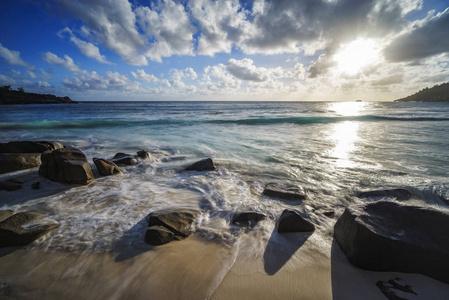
x=347, y=108
x=356, y=55
x=344, y=135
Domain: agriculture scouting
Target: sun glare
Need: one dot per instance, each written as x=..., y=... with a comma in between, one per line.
x=356, y=55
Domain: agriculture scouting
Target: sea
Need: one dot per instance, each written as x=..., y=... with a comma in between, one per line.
x=331, y=150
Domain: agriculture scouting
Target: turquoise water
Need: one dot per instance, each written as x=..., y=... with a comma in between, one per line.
x=332, y=150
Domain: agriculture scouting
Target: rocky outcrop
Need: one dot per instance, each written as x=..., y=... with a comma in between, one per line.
x=143, y=154
x=292, y=221
x=124, y=159
x=177, y=221
x=106, y=167
x=390, y=236
x=399, y=194
x=284, y=191
x=202, y=165
x=67, y=165
x=22, y=155
x=16, y=97
x=23, y=228
x=247, y=218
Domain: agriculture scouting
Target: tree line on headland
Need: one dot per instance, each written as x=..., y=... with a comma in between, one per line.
x=438, y=93
x=9, y=96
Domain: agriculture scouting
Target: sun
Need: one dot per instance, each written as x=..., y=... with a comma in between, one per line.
x=356, y=55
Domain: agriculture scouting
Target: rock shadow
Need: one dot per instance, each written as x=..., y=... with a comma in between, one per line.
x=280, y=248
x=132, y=243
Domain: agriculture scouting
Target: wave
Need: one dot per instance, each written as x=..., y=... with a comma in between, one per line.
x=86, y=124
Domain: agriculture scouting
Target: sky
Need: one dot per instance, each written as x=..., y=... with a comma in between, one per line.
x=276, y=50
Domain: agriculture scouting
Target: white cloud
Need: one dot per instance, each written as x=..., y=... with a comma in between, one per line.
x=113, y=81
x=31, y=74
x=6, y=80
x=12, y=57
x=178, y=75
x=245, y=70
x=113, y=23
x=88, y=49
x=140, y=74
x=167, y=25
x=66, y=62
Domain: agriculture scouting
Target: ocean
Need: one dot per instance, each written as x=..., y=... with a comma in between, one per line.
x=331, y=150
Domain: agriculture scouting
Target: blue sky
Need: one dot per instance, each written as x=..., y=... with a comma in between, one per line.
x=225, y=49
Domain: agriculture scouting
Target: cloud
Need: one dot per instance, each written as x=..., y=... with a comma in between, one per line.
x=167, y=25
x=66, y=62
x=31, y=74
x=113, y=23
x=389, y=80
x=113, y=81
x=6, y=80
x=140, y=74
x=88, y=49
x=427, y=38
x=178, y=75
x=246, y=70
x=12, y=57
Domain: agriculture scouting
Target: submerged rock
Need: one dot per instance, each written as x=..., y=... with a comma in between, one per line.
x=67, y=165
x=11, y=185
x=24, y=227
x=284, y=191
x=202, y=165
x=124, y=159
x=291, y=221
x=400, y=194
x=177, y=221
x=106, y=167
x=390, y=236
x=248, y=218
x=36, y=185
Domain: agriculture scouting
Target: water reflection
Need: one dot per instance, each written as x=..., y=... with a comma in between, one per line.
x=344, y=136
x=347, y=108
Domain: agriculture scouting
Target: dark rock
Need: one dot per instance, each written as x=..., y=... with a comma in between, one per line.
x=291, y=221
x=124, y=159
x=202, y=165
x=29, y=147
x=106, y=167
x=400, y=194
x=10, y=162
x=36, y=185
x=178, y=221
x=158, y=235
x=248, y=218
x=5, y=214
x=11, y=185
x=388, y=236
x=329, y=213
x=385, y=289
x=284, y=191
x=144, y=154
x=388, y=289
x=23, y=228
x=67, y=165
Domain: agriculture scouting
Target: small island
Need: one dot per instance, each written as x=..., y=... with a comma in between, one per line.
x=438, y=93
x=9, y=96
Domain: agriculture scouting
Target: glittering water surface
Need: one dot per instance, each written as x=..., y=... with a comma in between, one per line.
x=332, y=150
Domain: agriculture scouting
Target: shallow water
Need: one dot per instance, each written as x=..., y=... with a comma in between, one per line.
x=331, y=150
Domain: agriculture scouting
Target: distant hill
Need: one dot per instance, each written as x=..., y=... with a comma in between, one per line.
x=438, y=93
x=8, y=96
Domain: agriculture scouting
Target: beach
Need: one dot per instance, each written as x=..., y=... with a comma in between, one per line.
x=330, y=150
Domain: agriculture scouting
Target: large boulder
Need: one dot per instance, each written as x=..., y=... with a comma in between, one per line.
x=202, y=165
x=158, y=235
x=67, y=165
x=177, y=221
x=247, y=218
x=284, y=191
x=29, y=147
x=399, y=194
x=124, y=159
x=292, y=221
x=390, y=236
x=23, y=228
x=106, y=167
